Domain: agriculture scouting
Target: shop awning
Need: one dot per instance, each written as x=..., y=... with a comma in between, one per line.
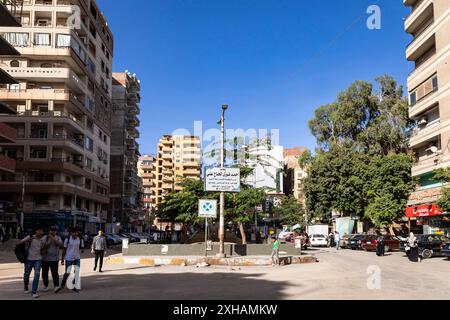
x=429, y=210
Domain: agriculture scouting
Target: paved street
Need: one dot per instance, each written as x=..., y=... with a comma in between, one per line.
x=338, y=275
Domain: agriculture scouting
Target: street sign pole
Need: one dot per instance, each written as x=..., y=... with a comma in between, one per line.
x=222, y=194
x=206, y=237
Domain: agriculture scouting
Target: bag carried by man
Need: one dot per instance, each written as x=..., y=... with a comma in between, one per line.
x=21, y=252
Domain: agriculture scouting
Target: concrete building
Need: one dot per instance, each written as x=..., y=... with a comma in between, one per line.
x=294, y=174
x=8, y=11
x=268, y=164
x=179, y=157
x=429, y=97
x=63, y=105
x=125, y=183
x=147, y=173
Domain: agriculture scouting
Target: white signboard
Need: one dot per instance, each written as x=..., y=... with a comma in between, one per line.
x=207, y=209
x=223, y=180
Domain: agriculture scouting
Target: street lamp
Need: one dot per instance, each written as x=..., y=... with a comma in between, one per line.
x=222, y=194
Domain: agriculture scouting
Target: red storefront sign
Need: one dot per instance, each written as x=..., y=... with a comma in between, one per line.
x=429, y=210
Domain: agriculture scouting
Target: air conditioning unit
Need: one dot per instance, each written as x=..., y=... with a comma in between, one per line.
x=78, y=158
x=43, y=22
x=423, y=121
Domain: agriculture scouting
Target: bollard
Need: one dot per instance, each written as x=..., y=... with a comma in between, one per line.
x=125, y=243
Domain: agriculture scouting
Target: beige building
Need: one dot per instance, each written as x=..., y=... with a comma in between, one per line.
x=295, y=175
x=147, y=173
x=429, y=97
x=179, y=157
x=125, y=193
x=63, y=104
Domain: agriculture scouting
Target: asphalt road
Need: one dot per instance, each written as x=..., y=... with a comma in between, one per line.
x=338, y=275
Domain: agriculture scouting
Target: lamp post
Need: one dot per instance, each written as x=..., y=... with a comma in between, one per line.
x=222, y=194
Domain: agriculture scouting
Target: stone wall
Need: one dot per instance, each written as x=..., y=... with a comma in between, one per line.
x=138, y=249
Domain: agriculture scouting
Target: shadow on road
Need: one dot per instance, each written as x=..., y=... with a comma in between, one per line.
x=162, y=286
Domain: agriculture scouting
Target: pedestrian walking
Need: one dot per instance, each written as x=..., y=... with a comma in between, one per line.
x=337, y=240
x=276, y=252
x=98, y=248
x=380, y=246
x=331, y=240
x=50, y=258
x=413, y=254
x=2, y=234
x=34, y=246
x=73, y=247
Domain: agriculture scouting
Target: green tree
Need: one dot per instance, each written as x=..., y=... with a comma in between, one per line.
x=361, y=158
x=444, y=176
x=182, y=206
x=290, y=211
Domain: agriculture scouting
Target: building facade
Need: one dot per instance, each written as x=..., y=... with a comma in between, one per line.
x=147, y=173
x=125, y=183
x=8, y=216
x=179, y=157
x=268, y=165
x=294, y=174
x=63, y=104
x=429, y=98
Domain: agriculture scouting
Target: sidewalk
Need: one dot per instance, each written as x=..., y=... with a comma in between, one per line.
x=213, y=261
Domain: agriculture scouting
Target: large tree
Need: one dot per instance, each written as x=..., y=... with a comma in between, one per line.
x=361, y=167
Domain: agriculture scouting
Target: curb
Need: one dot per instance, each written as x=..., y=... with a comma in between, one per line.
x=232, y=262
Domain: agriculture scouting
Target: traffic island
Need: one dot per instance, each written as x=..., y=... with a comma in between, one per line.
x=202, y=261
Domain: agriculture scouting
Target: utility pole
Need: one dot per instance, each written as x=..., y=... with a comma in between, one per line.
x=23, y=202
x=222, y=194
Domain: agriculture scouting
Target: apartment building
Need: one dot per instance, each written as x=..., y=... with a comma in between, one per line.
x=267, y=162
x=63, y=105
x=294, y=174
x=179, y=157
x=429, y=98
x=125, y=190
x=147, y=172
x=8, y=10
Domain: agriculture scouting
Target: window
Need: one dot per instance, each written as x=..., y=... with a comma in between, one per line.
x=423, y=90
x=17, y=39
x=42, y=39
x=14, y=64
x=89, y=144
x=67, y=201
x=63, y=40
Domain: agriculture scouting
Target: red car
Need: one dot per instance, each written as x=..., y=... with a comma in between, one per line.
x=390, y=243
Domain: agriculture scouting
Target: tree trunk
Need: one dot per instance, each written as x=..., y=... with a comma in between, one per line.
x=241, y=229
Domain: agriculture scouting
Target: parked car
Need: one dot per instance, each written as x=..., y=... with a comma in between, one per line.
x=345, y=239
x=130, y=237
x=112, y=240
x=390, y=243
x=318, y=240
x=430, y=245
x=445, y=250
x=356, y=241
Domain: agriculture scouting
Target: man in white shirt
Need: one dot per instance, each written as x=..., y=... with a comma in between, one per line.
x=73, y=247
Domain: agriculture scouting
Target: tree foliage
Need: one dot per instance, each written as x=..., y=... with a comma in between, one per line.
x=361, y=167
x=290, y=211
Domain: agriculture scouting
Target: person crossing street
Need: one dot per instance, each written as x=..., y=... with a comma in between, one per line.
x=98, y=248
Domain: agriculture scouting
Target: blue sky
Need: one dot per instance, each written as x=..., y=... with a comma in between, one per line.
x=273, y=61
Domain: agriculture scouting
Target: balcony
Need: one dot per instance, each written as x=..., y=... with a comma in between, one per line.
x=419, y=10
x=426, y=165
x=49, y=75
x=56, y=117
x=423, y=43
x=7, y=164
x=7, y=134
x=9, y=10
x=420, y=136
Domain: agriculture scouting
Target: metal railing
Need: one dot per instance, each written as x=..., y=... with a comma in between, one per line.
x=14, y=6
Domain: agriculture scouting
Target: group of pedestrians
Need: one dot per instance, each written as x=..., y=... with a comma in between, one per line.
x=43, y=254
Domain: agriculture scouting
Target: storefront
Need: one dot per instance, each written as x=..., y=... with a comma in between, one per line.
x=429, y=219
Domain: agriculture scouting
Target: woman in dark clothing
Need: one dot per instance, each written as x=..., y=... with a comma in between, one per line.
x=414, y=249
x=380, y=246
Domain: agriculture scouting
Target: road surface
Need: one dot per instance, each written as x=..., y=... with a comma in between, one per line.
x=338, y=275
